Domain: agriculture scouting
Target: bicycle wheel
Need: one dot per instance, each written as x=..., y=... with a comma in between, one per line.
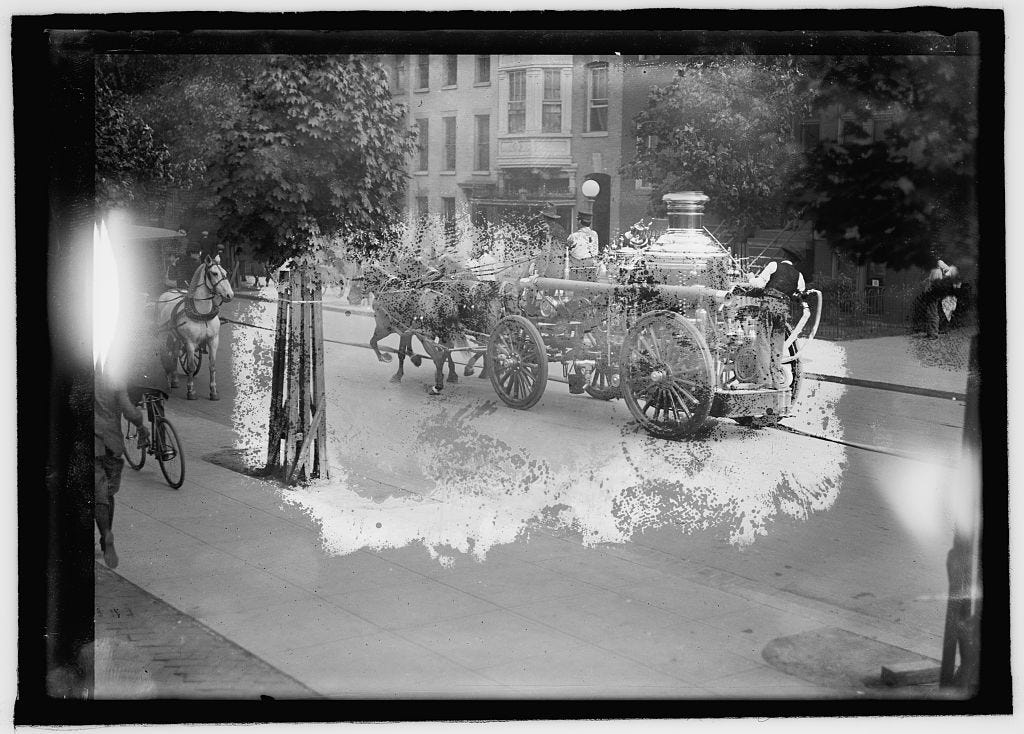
x=168, y=451
x=133, y=454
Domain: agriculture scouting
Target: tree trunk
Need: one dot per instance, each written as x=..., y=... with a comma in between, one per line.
x=297, y=441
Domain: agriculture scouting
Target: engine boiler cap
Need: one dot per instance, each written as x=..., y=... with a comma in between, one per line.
x=686, y=198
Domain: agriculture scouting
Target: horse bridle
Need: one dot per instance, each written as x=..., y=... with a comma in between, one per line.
x=213, y=287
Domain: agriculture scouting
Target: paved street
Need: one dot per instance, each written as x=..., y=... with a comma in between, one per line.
x=465, y=549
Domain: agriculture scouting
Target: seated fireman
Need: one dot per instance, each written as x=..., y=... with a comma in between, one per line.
x=780, y=281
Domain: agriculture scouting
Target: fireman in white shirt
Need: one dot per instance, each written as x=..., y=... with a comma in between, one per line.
x=581, y=262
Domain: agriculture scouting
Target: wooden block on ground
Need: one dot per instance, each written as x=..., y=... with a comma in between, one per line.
x=917, y=673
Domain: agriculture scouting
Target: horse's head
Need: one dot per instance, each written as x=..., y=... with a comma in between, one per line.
x=215, y=278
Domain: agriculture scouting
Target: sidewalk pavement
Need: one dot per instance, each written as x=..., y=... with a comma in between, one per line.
x=544, y=617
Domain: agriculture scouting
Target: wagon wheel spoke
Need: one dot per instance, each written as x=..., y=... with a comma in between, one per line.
x=505, y=380
x=528, y=378
x=515, y=389
x=682, y=399
x=648, y=346
x=685, y=398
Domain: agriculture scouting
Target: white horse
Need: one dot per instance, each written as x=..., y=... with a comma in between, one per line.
x=190, y=320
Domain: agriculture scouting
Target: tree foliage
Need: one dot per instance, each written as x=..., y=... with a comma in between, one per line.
x=724, y=126
x=129, y=157
x=157, y=119
x=318, y=153
x=903, y=197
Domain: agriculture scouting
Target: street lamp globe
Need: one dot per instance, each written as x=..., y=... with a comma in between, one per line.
x=590, y=188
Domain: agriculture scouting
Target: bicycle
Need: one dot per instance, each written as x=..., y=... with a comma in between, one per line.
x=163, y=443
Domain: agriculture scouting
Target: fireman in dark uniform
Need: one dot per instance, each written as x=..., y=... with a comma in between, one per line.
x=778, y=282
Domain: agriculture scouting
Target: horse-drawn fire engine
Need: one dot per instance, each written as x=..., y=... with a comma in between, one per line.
x=670, y=328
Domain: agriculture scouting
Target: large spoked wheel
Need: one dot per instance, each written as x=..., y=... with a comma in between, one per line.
x=603, y=382
x=168, y=452
x=133, y=453
x=518, y=362
x=667, y=375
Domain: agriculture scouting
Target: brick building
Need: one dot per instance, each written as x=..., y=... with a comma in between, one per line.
x=506, y=134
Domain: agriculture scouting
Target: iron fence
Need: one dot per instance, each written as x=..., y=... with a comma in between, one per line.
x=873, y=312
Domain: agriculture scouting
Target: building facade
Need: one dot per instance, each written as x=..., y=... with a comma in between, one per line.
x=505, y=135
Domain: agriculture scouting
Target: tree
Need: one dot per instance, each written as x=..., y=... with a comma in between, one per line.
x=902, y=197
x=724, y=126
x=317, y=155
x=129, y=158
x=157, y=119
x=319, y=152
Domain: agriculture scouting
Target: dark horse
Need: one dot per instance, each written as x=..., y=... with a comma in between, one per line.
x=410, y=307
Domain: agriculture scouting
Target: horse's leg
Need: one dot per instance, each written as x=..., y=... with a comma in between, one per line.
x=439, y=356
x=486, y=371
x=471, y=364
x=452, y=375
x=169, y=362
x=212, y=354
x=404, y=340
x=380, y=331
x=416, y=359
x=190, y=370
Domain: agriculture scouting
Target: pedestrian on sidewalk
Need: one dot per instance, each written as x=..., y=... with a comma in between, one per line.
x=779, y=282
x=940, y=297
x=109, y=403
x=237, y=268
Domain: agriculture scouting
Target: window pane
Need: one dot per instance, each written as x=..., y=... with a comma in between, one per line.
x=483, y=143
x=451, y=70
x=400, y=73
x=423, y=142
x=597, y=119
x=423, y=81
x=551, y=120
x=599, y=82
x=483, y=68
x=552, y=85
x=449, y=143
x=517, y=85
x=516, y=101
x=516, y=117
x=421, y=206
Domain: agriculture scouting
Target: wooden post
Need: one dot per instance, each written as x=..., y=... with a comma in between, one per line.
x=292, y=396
x=321, y=466
x=298, y=414
x=277, y=415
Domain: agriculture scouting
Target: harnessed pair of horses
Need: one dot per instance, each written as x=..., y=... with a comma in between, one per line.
x=439, y=309
x=191, y=325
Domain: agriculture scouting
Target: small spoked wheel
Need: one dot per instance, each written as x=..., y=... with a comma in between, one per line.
x=134, y=454
x=604, y=382
x=168, y=451
x=667, y=375
x=518, y=362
